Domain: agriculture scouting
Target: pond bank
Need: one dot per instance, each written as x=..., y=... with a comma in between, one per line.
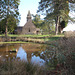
x=20, y=42
x=40, y=40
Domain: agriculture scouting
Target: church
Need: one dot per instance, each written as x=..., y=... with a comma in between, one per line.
x=29, y=27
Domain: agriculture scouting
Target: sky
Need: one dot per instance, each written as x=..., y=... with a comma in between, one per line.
x=24, y=7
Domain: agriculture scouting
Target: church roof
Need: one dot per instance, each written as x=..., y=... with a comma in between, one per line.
x=29, y=24
x=37, y=29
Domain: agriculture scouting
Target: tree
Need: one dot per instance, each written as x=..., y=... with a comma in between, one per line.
x=9, y=7
x=56, y=9
x=37, y=20
x=2, y=26
x=48, y=26
x=12, y=24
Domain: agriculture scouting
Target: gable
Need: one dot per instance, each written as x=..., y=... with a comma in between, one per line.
x=29, y=24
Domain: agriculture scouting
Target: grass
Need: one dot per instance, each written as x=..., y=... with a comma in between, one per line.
x=51, y=39
x=12, y=42
x=11, y=35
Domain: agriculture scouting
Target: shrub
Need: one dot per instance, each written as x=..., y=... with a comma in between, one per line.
x=15, y=67
x=60, y=55
x=65, y=51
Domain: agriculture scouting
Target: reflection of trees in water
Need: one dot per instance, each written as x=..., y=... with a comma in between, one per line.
x=45, y=55
x=49, y=55
x=7, y=56
x=6, y=47
x=4, y=51
x=33, y=47
x=37, y=53
x=29, y=56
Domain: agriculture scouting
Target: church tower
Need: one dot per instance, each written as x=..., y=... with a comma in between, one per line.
x=28, y=16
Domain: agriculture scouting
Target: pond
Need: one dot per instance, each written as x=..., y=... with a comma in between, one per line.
x=28, y=52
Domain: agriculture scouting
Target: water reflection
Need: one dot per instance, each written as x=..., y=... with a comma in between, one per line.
x=28, y=57
x=26, y=52
x=37, y=60
x=22, y=54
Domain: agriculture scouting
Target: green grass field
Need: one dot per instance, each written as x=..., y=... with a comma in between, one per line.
x=12, y=42
x=11, y=35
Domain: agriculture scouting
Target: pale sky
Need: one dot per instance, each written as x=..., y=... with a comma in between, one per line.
x=26, y=5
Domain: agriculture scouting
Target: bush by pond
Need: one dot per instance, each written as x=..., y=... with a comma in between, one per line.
x=64, y=54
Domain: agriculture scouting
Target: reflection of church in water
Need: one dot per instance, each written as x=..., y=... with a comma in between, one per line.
x=27, y=56
x=23, y=55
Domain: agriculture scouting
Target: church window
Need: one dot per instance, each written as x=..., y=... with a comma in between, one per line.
x=29, y=29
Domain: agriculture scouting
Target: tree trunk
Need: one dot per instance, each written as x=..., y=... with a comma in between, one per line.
x=59, y=28
x=6, y=31
x=57, y=25
x=49, y=29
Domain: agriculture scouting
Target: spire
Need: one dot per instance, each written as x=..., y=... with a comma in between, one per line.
x=28, y=16
x=29, y=13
